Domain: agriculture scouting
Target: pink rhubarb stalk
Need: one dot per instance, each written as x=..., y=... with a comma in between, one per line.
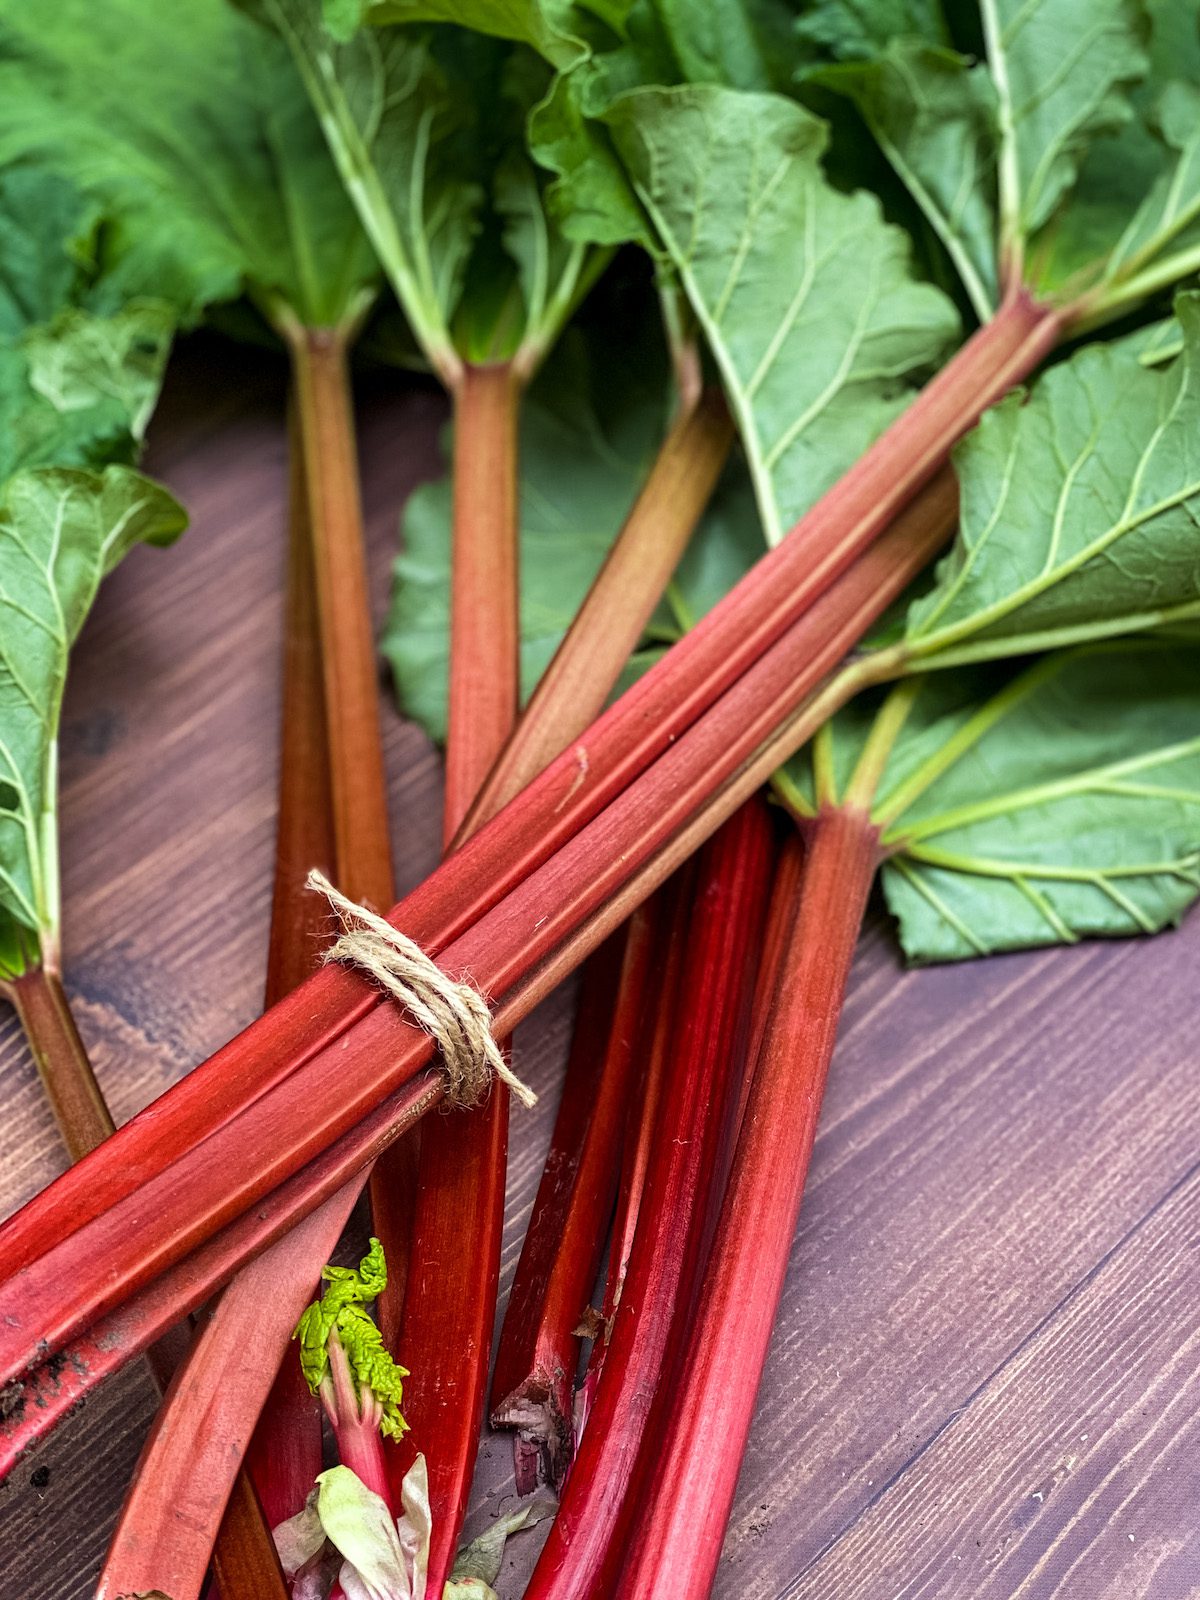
x=698, y=1437
x=709, y=1033
x=631, y=736
x=517, y=951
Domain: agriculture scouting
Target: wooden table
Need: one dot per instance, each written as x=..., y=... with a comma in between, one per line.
x=984, y=1380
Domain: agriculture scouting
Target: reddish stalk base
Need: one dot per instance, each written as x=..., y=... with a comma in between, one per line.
x=699, y=1433
x=539, y=1343
x=457, y=1203
x=638, y=1132
x=61, y=1059
x=708, y=1038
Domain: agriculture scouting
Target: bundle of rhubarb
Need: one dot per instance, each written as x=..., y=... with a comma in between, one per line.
x=822, y=506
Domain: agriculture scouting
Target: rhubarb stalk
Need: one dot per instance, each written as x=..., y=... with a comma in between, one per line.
x=285, y=1453
x=333, y=813
x=637, y=1141
x=449, y=1308
x=524, y=945
x=697, y=1446
x=604, y=633
x=621, y=744
x=539, y=1341
x=709, y=1031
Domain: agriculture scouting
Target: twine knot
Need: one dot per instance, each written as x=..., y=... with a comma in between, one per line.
x=453, y=1014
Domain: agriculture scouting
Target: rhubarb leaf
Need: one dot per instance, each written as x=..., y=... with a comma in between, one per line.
x=189, y=123
x=933, y=115
x=546, y=26
x=1132, y=222
x=382, y=1559
x=1079, y=508
x=750, y=45
x=1061, y=71
x=80, y=366
x=61, y=532
x=480, y=1561
x=851, y=31
x=804, y=294
x=342, y=1309
x=428, y=133
x=1034, y=161
x=1063, y=805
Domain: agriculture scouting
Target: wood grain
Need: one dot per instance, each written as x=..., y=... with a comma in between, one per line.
x=984, y=1376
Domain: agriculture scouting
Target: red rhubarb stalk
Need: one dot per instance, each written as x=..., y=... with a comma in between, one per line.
x=278, y=1475
x=112, y=1341
x=524, y=945
x=539, y=1341
x=604, y=633
x=449, y=1307
x=697, y=1447
x=706, y=1056
x=357, y=780
x=484, y=625
x=285, y=1454
x=333, y=814
x=699, y=670
x=638, y=1136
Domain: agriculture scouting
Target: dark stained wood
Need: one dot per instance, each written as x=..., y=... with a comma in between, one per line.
x=984, y=1377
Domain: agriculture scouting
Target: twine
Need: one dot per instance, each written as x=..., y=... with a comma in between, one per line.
x=454, y=1015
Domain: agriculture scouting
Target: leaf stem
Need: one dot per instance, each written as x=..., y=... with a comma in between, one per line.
x=698, y=1431
x=1108, y=301
x=444, y=1326
x=872, y=763
x=484, y=626
x=351, y=683
x=61, y=1058
x=1011, y=242
x=628, y=587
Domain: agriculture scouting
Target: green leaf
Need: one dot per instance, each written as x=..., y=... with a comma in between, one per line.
x=61, y=532
x=1063, y=805
x=393, y=127
x=1061, y=72
x=1037, y=159
x=341, y=1309
x=427, y=130
x=549, y=28
x=933, y=115
x=661, y=43
x=189, y=124
x=1078, y=508
x=80, y=365
x=804, y=294
x=480, y=1561
x=852, y=31
x=1131, y=226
